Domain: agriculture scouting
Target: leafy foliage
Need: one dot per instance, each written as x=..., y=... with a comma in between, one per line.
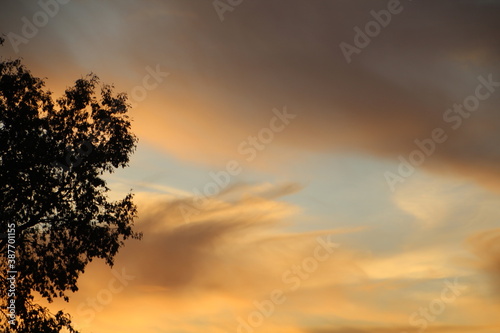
x=53, y=156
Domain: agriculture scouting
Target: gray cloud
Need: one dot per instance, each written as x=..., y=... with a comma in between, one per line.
x=266, y=54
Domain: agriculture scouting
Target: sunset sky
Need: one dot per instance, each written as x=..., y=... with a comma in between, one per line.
x=303, y=166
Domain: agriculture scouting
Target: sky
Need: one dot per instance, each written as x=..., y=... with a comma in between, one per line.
x=303, y=166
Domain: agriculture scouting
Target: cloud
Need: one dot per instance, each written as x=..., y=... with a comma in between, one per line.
x=236, y=233
x=486, y=246
x=227, y=77
x=234, y=253
x=207, y=273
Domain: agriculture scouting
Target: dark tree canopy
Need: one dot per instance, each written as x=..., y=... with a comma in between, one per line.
x=53, y=156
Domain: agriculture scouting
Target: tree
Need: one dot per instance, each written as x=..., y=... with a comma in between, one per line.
x=55, y=214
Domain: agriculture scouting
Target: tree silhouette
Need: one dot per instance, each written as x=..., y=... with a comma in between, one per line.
x=55, y=214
